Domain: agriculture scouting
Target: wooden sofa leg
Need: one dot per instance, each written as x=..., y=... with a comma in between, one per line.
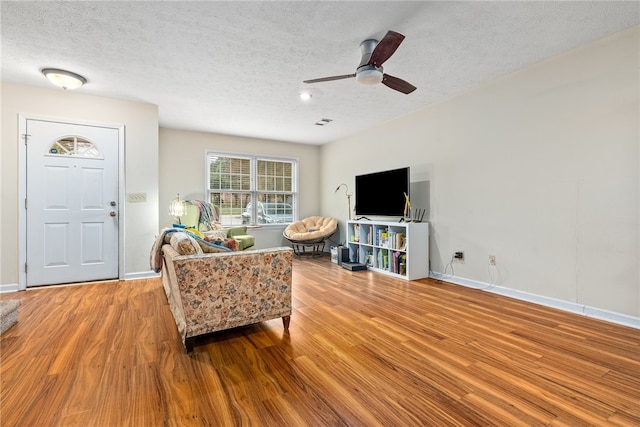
x=285, y=321
x=188, y=345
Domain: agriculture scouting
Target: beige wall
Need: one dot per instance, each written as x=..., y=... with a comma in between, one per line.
x=141, y=158
x=182, y=170
x=539, y=168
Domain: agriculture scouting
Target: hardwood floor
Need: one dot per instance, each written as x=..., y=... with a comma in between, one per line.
x=363, y=349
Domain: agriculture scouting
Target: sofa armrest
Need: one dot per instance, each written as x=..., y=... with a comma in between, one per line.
x=237, y=231
x=171, y=289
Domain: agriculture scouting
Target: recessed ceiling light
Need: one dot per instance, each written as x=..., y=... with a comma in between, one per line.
x=305, y=96
x=63, y=78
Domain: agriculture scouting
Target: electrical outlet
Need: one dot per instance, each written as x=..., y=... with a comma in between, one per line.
x=492, y=260
x=459, y=255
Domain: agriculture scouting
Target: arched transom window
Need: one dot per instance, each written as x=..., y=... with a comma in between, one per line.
x=75, y=146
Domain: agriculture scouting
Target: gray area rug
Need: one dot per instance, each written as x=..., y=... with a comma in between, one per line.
x=8, y=313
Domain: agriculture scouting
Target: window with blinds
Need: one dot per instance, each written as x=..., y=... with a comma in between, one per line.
x=252, y=190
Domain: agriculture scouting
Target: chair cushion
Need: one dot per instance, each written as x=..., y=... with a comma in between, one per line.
x=311, y=228
x=240, y=230
x=191, y=215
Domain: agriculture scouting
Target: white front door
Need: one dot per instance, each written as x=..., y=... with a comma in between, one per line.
x=72, y=203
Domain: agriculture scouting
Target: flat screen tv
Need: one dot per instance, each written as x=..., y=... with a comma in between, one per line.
x=382, y=193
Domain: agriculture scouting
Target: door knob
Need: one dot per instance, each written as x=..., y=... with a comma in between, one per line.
x=112, y=213
x=113, y=203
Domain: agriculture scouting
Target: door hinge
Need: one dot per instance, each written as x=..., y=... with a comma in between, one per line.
x=25, y=203
x=25, y=267
x=25, y=136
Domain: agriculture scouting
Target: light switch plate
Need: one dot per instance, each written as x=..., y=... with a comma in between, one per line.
x=136, y=197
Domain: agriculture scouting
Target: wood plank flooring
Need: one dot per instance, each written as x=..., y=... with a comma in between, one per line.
x=363, y=349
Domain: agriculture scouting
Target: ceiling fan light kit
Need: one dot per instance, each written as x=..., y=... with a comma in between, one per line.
x=370, y=72
x=369, y=76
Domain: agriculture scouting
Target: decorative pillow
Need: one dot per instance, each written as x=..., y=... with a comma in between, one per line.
x=231, y=244
x=208, y=247
x=215, y=225
x=184, y=244
x=215, y=235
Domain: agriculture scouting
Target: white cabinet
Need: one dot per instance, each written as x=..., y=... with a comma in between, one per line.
x=395, y=248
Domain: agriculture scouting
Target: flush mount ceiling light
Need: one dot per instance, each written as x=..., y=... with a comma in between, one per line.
x=305, y=96
x=64, y=79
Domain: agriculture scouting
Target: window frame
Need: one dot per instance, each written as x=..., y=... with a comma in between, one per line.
x=93, y=153
x=253, y=191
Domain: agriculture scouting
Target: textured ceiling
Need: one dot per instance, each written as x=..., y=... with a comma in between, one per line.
x=237, y=67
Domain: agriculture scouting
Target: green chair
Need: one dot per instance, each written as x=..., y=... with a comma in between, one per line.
x=239, y=234
x=191, y=218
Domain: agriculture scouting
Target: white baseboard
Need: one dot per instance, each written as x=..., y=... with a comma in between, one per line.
x=141, y=275
x=13, y=287
x=9, y=287
x=585, y=310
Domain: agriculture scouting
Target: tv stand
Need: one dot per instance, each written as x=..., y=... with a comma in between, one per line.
x=396, y=249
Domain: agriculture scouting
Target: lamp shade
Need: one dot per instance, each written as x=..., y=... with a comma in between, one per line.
x=176, y=207
x=64, y=79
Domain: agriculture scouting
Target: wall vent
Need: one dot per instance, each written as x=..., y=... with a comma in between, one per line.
x=323, y=122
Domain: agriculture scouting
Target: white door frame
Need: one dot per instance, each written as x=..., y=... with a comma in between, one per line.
x=22, y=190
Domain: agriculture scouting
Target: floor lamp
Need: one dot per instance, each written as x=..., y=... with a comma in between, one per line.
x=346, y=192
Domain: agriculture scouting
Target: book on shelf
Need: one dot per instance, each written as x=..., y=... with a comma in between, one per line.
x=383, y=259
x=382, y=237
x=368, y=259
x=394, y=264
x=400, y=262
x=397, y=240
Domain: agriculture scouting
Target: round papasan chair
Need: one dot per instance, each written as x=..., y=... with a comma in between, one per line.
x=310, y=233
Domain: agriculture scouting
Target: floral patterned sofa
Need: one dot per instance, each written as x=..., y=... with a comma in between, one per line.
x=209, y=292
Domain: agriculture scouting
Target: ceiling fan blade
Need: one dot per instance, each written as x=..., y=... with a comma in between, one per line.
x=397, y=84
x=328, y=79
x=385, y=48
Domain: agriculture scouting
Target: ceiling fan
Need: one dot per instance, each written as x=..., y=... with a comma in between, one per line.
x=369, y=72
